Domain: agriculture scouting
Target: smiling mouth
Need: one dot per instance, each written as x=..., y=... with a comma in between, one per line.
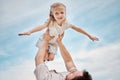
x=60, y=18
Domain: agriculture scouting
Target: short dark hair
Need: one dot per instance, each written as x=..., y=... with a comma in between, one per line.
x=86, y=76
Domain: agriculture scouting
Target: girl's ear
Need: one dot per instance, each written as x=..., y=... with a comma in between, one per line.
x=51, y=13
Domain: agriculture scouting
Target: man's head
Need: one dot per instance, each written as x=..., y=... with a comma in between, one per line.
x=79, y=75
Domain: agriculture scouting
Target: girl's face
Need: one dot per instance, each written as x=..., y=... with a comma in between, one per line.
x=59, y=14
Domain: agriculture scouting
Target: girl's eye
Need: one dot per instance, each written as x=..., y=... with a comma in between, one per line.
x=56, y=13
x=62, y=12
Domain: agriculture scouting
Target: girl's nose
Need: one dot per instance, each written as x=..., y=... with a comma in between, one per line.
x=60, y=15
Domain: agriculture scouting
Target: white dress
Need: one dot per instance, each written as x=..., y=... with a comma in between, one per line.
x=54, y=30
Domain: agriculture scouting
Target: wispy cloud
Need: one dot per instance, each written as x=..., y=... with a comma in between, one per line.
x=21, y=71
x=3, y=53
x=102, y=61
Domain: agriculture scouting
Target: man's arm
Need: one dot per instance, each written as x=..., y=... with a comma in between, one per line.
x=39, y=58
x=66, y=56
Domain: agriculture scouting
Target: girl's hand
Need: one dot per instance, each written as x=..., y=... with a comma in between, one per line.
x=24, y=33
x=93, y=38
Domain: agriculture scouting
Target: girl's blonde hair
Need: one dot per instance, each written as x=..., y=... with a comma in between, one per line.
x=52, y=7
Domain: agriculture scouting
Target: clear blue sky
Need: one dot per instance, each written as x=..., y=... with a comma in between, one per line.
x=98, y=17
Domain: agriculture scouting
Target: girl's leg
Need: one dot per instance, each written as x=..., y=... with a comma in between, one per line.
x=51, y=56
x=46, y=55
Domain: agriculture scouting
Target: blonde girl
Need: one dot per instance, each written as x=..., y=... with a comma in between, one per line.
x=56, y=24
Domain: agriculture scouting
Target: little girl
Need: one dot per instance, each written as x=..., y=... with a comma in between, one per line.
x=56, y=24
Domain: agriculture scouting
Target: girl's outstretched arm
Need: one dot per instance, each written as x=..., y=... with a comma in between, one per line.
x=84, y=32
x=41, y=27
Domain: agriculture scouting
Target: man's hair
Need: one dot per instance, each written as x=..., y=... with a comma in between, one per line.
x=86, y=76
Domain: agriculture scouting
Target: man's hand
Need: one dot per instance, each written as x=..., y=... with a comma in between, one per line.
x=60, y=37
x=47, y=36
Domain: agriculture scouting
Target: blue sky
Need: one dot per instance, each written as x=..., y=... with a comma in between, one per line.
x=98, y=17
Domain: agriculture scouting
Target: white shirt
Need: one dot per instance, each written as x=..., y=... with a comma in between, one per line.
x=56, y=30
x=43, y=73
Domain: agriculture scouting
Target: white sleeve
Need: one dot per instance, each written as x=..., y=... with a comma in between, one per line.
x=67, y=25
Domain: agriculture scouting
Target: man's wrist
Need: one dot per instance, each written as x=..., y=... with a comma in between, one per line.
x=59, y=42
x=72, y=69
x=46, y=40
